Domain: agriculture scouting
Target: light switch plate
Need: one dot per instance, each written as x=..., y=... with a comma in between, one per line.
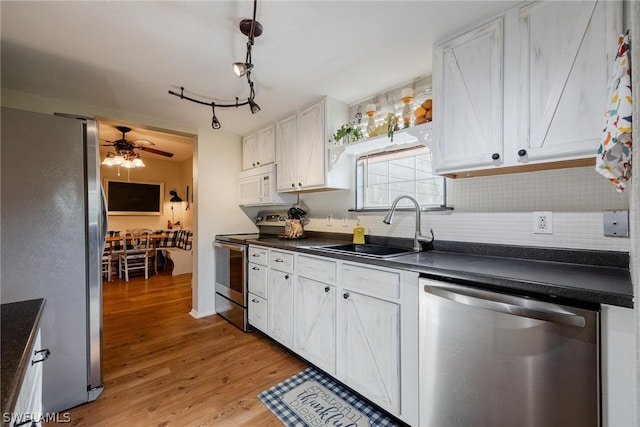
x=616, y=223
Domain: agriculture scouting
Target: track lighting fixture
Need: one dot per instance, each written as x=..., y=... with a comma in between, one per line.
x=252, y=29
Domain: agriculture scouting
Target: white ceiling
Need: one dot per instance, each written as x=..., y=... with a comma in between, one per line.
x=126, y=55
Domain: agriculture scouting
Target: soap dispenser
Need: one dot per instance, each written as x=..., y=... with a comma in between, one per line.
x=358, y=234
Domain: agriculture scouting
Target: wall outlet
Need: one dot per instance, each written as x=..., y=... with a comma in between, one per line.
x=542, y=223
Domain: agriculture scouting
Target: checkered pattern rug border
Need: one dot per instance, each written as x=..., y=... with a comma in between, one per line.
x=272, y=398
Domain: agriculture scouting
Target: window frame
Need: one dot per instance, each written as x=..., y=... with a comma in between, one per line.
x=360, y=184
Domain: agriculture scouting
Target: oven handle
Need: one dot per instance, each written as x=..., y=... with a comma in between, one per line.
x=230, y=246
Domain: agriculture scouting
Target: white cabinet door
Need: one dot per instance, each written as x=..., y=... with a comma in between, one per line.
x=286, y=142
x=563, y=86
x=315, y=337
x=311, y=155
x=468, y=99
x=617, y=349
x=280, y=307
x=257, y=312
x=257, y=279
x=528, y=87
x=266, y=146
x=249, y=151
x=370, y=348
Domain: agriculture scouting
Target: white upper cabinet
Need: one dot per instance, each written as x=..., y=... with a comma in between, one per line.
x=468, y=81
x=527, y=87
x=302, y=150
x=249, y=151
x=259, y=149
x=566, y=52
x=286, y=138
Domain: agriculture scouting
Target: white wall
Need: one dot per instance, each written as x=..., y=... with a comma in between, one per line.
x=216, y=164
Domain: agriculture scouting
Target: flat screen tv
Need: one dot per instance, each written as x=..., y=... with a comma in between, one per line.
x=134, y=198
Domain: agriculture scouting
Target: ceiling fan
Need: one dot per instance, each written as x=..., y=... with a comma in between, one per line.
x=125, y=148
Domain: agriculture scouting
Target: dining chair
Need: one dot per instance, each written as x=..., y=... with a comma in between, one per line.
x=106, y=262
x=135, y=253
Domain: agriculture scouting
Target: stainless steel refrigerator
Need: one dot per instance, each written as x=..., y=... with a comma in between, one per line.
x=53, y=227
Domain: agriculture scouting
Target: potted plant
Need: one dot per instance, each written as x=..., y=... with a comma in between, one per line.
x=347, y=134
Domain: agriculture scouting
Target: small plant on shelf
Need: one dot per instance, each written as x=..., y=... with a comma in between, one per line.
x=347, y=134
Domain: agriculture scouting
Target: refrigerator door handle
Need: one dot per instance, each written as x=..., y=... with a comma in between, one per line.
x=105, y=218
x=548, y=314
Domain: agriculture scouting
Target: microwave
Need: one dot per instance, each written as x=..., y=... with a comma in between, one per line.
x=258, y=187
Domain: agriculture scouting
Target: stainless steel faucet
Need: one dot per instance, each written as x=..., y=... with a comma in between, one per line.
x=418, y=237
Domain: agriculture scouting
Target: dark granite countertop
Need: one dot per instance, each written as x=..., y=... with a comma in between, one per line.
x=19, y=324
x=574, y=276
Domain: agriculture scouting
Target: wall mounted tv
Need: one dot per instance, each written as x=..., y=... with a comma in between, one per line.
x=134, y=198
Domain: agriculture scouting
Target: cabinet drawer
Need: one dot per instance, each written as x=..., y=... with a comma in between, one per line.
x=371, y=280
x=323, y=270
x=257, y=312
x=282, y=261
x=258, y=255
x=258, y=279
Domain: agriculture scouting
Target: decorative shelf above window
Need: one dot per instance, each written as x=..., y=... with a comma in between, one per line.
x=403, y=138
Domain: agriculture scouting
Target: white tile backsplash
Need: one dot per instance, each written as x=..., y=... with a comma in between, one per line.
x=499, y=209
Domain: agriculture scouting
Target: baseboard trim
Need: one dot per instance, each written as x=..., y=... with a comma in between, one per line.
x=197, y=315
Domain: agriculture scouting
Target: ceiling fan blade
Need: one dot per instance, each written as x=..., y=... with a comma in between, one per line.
x=142, y=142
x=154, y=151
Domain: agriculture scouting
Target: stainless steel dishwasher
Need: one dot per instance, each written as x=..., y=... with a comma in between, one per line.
x=491, y=359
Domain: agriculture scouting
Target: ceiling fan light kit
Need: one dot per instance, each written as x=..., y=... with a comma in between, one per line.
x=252, y=29
x=125, y=156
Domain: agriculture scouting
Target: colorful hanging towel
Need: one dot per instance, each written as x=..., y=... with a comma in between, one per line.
x=614, y=155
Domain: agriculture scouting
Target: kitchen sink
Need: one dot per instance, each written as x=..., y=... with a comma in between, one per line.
x=366, y=250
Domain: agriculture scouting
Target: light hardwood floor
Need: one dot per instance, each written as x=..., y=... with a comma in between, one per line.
x=162, y=367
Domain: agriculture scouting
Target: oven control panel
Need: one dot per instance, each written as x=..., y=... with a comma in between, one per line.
x=276, y=218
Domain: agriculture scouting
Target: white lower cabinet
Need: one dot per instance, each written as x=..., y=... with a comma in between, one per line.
x=280, y=302
x=618, y=350
x=257, y=312
x=315, y=323
x=29, y=401
x=357, y=322
x=369, y=338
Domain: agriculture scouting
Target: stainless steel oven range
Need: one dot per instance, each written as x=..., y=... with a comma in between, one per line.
x=230, y=253
x=231, y=277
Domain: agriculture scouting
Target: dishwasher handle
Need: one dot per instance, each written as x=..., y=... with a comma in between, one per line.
x=473, y=298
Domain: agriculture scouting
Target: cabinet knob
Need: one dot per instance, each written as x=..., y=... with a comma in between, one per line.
x=299, y=184
x=278, y=260
x=253, y=164
x=293, y=185
x=327, y=289
x=345, y=295
x=255, y=268
x=495, y=156
x=255, y=301
x=257, y=163
x=255, y=255
x=286, y=276
x=522, y=152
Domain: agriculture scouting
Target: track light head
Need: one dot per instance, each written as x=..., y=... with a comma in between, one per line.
x=215, y=123
x=241, y=68
x=254, y=107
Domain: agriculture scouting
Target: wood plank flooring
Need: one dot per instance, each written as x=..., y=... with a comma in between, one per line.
x=162, y=367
